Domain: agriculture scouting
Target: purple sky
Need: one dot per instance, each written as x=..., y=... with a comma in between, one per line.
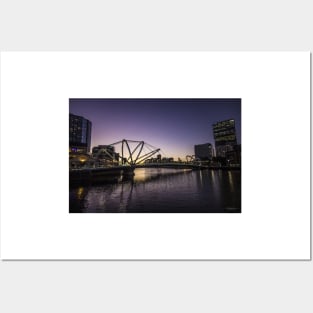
x=174, y=125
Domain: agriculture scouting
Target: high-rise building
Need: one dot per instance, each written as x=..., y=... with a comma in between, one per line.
x=234, y=156
x=79, y=134
x=225, y=137
x=203, y=152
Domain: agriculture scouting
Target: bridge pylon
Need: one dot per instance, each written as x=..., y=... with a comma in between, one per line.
x=134, y=152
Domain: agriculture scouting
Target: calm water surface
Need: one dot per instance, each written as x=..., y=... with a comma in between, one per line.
x=163, y=191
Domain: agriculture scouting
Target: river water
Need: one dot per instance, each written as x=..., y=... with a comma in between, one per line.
x=162, y=191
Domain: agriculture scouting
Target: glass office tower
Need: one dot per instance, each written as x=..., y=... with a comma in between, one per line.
x=225, y=137
x=79, y=134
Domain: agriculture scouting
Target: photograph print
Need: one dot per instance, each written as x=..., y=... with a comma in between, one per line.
x=155, y=155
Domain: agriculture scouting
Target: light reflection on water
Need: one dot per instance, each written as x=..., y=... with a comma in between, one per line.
x=163, y=190
x=231, y=184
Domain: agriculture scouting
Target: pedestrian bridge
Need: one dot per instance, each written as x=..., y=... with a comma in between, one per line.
x=138, y=154
x=129, y=153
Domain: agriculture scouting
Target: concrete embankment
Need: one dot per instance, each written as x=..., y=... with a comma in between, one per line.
x=94, y=175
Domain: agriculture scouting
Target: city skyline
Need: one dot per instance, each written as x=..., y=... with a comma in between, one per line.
x=174, y=125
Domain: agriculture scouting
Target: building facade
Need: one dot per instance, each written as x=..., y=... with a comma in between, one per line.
x=234, y=157
x=79, y=134
x=106, y=153
x=225, y=137
x=204, y=152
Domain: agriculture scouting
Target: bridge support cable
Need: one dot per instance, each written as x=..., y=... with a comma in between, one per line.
x=130, y=153
x=142, y=144
x=137, y=146
x=147, y=156
x=135, y=152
